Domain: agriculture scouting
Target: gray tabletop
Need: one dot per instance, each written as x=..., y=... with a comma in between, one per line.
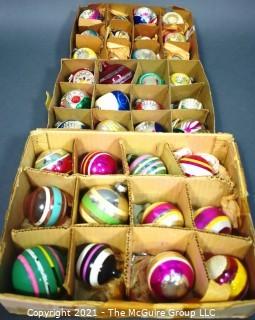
x=34, y=35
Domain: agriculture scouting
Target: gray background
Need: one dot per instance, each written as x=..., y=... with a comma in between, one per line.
x=34, y=35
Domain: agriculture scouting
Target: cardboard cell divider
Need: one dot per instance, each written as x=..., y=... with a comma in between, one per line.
x=69, y=66
x=192, y=68
x=85, y=183
x=123, y=117
x=57, y=114
x=163, y=117
x=172, y=190
x=92, y=23
x=199, y=115
x=113, y=236
x=157, y=66
x=86, y=41
x=160, y=94
x=198, y=91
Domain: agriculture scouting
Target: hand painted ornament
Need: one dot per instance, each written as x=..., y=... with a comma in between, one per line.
x=110, y=126
x=76, y=99
x=98, y=163
x=174, y=37
x=163, y=214
x=115, y=100
x=149, y=126
x=91, y=14
x=96, y=264
x=115, y=73
x=190, y=103
x=145, y=15
x=147, y=164
x=39, y=271
x=229, y=270
x=180, y=79
x=105, y=205
x=57, y=160
x=187, y=126
x=144, y=54
x=150, y=78
x=84, y=53
x=90, y=33
x=82, y=76
x=46, y=206
x=147, y=104
x=71, y=124
x=172, y=18
x=212, y=219
x=170, y=276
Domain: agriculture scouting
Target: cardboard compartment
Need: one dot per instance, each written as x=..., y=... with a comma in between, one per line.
x=84, y=145
x=193, y=69
x=147, y=66
x=163, y=117
x=242, y=249
x=80, y=25
x=61, y=114
x=152, y=241
x=69, y=66
x=115, y=237
x=24, y=239
x=222, y=146
x=64, y=87
x=102, y=89
x=94, y=24
x=131, y=64
x=123, y=117
x=160, y=94
x=118, y=47
x=172, y=190
x=27, y=181
x=198, y=91
x=86, y=183
x=35, y=147
x=160, y=150
x=204, y=193
x=199, y=115
x=119, y=10
x=151, y=31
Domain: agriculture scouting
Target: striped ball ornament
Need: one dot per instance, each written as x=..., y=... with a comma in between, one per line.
x=170, y=276
x=147, y=164
x=39, y=271
x=196, y=165
x=96, y=264
x=229, y=270
x=212, y=219
x=104, y=205
x=46, y=206
x=98, y=163
x=57, y=160
x=163, y=214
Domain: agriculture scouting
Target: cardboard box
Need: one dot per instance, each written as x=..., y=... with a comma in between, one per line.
x=167, y=95
x=102, y=45
x=187, y=193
